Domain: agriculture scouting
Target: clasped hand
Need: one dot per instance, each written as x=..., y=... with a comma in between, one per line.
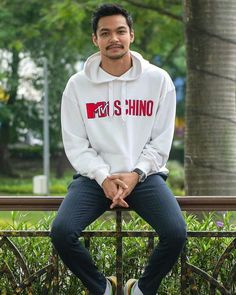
x=118, y=186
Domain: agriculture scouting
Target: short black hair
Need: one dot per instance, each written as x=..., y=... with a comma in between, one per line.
x=107, y=10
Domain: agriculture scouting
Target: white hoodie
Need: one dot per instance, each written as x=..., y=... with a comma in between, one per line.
x=115, y=124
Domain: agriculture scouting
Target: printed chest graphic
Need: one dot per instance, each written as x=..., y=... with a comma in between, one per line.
x=131, y=108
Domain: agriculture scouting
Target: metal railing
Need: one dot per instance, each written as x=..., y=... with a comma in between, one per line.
x=188, y=284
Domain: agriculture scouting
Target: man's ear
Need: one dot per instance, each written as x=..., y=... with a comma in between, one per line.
x=132, y=36
x=94, y=38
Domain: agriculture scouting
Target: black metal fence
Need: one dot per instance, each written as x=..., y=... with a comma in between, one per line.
x=50, y=271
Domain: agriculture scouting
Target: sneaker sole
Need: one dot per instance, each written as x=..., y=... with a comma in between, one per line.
x=128, y=286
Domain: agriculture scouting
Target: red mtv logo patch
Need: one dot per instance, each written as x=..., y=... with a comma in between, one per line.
x=97, y=110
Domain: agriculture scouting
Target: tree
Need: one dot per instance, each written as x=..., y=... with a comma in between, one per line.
x=11, y=76
x=42, y=29
x=210, y=141
x=160, y=33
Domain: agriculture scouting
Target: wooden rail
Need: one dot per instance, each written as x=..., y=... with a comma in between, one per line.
x=52, y=203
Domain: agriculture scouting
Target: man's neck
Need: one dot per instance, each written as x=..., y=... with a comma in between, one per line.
x=116, y=67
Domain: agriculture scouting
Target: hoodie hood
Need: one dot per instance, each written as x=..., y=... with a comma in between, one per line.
x=97, y=75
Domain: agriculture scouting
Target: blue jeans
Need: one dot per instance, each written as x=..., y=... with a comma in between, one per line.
x=86, y=201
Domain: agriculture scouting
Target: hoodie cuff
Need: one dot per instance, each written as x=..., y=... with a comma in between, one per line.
x=145, y=166
x=101, y=175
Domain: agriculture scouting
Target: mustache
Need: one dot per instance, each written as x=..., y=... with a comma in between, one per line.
x=115, y=45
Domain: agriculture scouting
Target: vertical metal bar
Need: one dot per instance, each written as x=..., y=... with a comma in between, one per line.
x=55, y=282
x=87, y=242
x=87, y=246
x=183, y=277
x=119, y=258
x=150, y=246
x=46, y=167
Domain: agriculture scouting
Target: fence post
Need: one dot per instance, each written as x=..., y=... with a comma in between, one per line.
x=119, y=250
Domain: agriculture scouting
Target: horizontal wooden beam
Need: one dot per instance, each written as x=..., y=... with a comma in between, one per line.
x=30, y=203
x=207, y=203
x=52, y=203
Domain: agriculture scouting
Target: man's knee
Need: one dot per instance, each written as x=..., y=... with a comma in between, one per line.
x=181, y=235
x=176, y=236
x=63, y=236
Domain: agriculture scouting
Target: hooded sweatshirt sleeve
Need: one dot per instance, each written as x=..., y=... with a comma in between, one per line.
x=81, y=155
x=156, y=152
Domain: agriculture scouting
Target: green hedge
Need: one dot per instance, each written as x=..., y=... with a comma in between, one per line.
x=26, y=152
x=36, y=152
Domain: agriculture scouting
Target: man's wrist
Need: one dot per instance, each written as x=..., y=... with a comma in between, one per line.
x=136, y=175
x=101, y=175
x=141, y=174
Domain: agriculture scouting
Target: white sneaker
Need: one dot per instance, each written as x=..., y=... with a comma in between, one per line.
x=113, y=282
x=129, y=286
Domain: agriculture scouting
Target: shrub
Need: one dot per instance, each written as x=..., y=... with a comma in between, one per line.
x=27, y=152
x=176, y=177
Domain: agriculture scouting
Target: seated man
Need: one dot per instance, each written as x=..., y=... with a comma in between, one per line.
x=118, y=118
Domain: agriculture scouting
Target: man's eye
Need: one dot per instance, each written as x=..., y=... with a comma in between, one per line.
x=122, y=32
x=104, y=34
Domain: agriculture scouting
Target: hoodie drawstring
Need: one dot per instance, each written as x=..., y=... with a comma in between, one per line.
x=123, y=99
x=111, y=98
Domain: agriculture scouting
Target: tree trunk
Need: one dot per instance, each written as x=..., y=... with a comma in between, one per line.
x=210, y=138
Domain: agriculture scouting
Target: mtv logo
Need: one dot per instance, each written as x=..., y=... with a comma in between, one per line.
x=97, y=110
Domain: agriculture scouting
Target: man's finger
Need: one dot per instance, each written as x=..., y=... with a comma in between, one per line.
x=113, y=205
x=120, y=183
x=118, y=194
x=119, y=202
x=114, y=176
x=121, y=194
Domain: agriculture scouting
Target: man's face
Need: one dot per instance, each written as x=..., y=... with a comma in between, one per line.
x=113, y=36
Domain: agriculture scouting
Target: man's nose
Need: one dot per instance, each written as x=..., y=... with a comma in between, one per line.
x=114, y=37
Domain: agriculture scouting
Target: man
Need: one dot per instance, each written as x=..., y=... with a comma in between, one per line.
x=117, y=126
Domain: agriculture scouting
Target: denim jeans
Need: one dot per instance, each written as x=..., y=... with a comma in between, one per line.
x=86, y=201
